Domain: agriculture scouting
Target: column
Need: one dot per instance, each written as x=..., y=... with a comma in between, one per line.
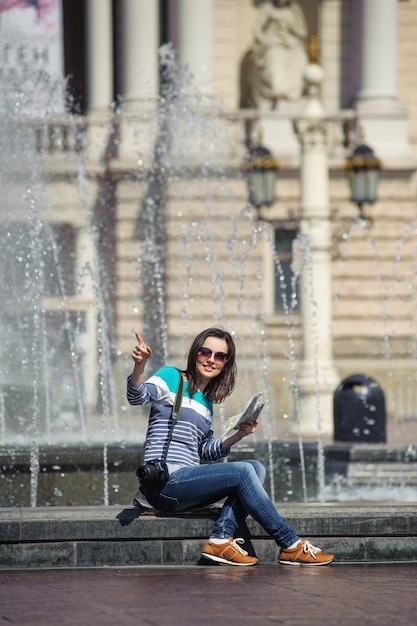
x=330, y=38
x=381, y=115
x=141, y=42
x=195, y=37
x=99, y=55
x=318, y=377
x=379, y=54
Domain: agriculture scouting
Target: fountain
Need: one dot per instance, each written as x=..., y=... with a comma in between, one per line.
x=67, y=433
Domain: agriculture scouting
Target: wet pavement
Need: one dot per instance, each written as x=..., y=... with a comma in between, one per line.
x=339, y=594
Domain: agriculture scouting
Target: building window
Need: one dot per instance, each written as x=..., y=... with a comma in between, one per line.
x=286, y=288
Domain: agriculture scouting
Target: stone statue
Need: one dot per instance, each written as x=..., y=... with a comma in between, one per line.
x=273, y=68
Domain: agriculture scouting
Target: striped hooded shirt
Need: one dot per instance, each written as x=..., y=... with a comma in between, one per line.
x=192, y=439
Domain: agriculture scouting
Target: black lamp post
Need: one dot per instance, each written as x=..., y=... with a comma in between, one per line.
x=363, y=172
x=261, y=170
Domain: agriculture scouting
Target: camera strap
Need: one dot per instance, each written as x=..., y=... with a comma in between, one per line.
x=175, y=413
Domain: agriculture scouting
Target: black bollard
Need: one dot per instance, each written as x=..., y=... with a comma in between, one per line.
x=359, y=411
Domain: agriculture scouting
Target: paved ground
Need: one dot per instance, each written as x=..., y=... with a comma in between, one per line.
x=336, y=595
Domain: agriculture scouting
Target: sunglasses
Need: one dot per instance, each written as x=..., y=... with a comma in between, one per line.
x=206, y=353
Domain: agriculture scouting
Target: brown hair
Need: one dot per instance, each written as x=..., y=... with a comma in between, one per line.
x=222, y=385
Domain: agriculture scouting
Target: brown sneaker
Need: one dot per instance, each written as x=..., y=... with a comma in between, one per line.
x=304, y=554
x=228, y=553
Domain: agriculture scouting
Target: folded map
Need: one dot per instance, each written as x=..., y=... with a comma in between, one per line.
x=251, y=411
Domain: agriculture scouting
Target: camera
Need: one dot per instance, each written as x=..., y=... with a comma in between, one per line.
x=152, y=472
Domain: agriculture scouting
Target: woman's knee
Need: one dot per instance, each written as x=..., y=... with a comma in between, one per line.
x=259, y=469
x=256, y=466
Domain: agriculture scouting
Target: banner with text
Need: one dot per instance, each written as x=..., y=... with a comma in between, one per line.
x=31, y=55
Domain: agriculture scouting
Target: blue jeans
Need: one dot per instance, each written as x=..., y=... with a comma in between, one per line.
x=240, y=482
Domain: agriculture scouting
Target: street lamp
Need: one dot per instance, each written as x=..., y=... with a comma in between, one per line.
x=363, y=168
x=261, y=170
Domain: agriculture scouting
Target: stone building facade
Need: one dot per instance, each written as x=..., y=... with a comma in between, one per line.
x=160, y=139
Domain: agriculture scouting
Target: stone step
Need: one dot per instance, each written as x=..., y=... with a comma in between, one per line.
x=393, y=472
x=372, y=482
x=119, y=536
